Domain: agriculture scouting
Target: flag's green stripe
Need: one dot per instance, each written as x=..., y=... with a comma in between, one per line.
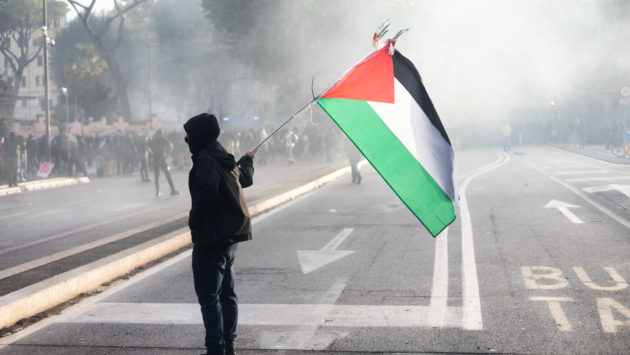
x=404, y=174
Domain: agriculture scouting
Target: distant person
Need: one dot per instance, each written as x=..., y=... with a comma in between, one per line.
x=507, y=136
x=218, y=220
x=11, y=154
x=354, y=156
x=161, y=149
x=143, y=150
x=290, y=139
x=32, y=151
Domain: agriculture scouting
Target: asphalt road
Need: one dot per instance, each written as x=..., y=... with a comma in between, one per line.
x=536, y=262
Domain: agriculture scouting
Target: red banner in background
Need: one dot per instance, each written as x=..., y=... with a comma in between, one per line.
x=45, y=168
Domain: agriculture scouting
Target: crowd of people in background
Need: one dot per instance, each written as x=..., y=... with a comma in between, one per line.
x=125, y=153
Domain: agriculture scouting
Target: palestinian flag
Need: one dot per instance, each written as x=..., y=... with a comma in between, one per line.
x=382, y=106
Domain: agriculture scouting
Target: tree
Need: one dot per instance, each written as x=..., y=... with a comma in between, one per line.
x=85, y=74
x=18, y=22
x=97, y=33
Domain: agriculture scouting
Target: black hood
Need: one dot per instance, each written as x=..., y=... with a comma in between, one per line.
x=203, y=131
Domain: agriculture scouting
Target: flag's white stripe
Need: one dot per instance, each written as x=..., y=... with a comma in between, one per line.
x=412, y=127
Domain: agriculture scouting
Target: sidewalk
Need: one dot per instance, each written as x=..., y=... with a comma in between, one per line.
x=42, y=184
x=273, y=176
x=594, y=151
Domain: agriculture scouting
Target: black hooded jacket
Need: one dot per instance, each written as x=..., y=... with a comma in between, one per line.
x=218, y=216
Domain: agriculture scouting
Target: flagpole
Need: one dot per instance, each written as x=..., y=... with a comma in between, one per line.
x=307, y=105
x=287, y=121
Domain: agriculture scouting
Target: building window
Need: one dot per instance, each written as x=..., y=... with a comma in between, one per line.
x=38, y=80
x=24, y=81
x=40, y=61
x=23, y=103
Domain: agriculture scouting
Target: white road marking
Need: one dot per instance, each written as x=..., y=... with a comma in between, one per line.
x=311, y=260
x=439, y=288
x=597, y=205
x=563, y=207
x=605, y=308
x=472, y=318
x=304, y=336
x=564, y=325
x=601, y=178
x=130, y=207
x=620, y=282
x=625, y=189
x=580, y=172
x=79, y=308
x=320, y=315
x=45, y=213
x=7, y=216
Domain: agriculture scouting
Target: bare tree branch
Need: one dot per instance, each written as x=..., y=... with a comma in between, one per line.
x=119, y=13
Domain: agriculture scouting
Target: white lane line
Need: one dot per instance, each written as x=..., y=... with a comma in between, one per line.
x=472, y=319
x=595, y=204
x=580, y=172
x=45, y=213
x=65, y=253
x=78, y=202
x=7, y=216
x=80, y=229
x=594, y=178
x=624, y=189
x=130, y=207
x=304, y=336
x=312, y=315
x=439, y=288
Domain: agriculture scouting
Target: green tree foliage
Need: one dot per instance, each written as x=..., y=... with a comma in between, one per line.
x=78, y=66
x=86, y=72
x=19, y=20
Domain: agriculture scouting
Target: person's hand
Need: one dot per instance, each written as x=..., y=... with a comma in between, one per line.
x=251, y=154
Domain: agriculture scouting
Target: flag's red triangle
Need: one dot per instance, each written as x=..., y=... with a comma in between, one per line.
x=370, y=80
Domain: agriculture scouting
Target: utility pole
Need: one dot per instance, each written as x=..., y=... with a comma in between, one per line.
x=46, y=102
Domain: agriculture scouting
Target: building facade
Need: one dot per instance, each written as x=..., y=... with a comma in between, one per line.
x=29, y=105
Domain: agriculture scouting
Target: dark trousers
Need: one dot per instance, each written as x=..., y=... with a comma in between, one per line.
x=213, y=273
x=159, y=164
x=144, y=169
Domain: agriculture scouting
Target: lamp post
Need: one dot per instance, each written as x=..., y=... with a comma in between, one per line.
x=46, y=106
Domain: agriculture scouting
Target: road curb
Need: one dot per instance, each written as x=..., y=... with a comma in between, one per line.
x=46, y=294
x=42, y=185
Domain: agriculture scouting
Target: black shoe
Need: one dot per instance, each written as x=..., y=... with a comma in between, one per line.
x=230, y=351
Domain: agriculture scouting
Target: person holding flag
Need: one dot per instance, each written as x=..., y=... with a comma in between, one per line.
x=218, y=220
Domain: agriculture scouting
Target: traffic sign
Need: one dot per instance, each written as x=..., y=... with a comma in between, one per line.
x=624, y=91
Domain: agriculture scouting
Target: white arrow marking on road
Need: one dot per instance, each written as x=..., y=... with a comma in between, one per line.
x=311, y=260
x=563, y=207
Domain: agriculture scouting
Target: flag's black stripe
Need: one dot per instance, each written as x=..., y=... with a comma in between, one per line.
x=408, y=76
